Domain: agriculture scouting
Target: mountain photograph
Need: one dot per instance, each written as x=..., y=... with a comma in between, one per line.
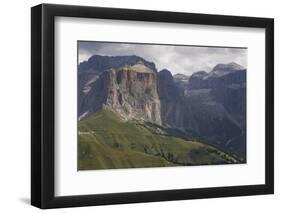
x=152, y=105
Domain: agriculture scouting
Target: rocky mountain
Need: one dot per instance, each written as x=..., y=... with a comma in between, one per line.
x=181, y=80
x=207, y=106
x=217, y=106
x=227, y=84
x=170, y=100
x=89, y=71
x=129, y=87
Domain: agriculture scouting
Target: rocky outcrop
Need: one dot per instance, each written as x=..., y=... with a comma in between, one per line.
x=170, y=99
x=196, y=80
x=90, y=70
x=181, y=80
x=131, y=91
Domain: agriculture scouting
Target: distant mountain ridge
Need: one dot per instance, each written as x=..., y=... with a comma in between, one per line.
x=207, y=106
x=100, y=63
x=228, y=67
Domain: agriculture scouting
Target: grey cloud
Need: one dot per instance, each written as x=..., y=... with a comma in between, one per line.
x=178, y=59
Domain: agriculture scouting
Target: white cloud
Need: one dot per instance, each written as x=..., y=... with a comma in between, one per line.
x=178, y=59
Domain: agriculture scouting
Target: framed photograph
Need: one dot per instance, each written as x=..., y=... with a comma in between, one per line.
x=139, y=106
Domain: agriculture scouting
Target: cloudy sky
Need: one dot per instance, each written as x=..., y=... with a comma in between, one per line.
x=177, y=59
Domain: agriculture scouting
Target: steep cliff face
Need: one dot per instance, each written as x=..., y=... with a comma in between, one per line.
x=131, y=91
x=170, y=99
x=90, y=70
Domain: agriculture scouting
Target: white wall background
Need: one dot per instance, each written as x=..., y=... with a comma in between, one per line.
x=15, y=106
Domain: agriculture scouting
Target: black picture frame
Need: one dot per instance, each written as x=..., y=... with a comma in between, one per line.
x=43, y=102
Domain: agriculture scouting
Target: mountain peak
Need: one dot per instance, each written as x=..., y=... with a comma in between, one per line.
x=165, y=74
x=228, y=67
x=168, y=72
x=199, y=74
x=181, y=77
x=101, y=63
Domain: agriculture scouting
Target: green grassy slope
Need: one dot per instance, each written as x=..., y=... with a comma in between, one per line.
x=105, y=142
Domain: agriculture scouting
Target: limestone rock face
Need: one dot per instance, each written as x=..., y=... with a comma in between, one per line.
x=130, y=90
x=90, y=70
